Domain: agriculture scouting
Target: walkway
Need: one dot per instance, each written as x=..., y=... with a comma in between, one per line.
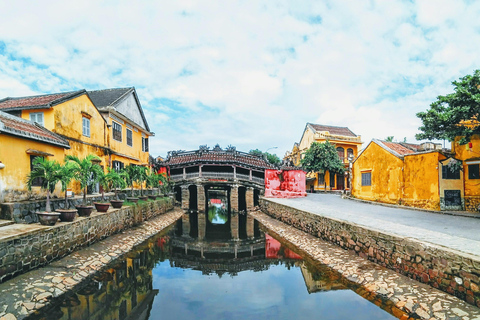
x=455, y=232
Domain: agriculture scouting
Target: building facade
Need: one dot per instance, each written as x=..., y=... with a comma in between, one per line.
x=345, y=141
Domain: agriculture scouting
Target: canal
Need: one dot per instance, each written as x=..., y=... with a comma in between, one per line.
x=176, y=276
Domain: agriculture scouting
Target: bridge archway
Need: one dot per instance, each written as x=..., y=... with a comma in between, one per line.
x=193, y=198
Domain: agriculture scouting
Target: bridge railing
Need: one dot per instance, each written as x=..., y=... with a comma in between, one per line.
x=218, y=175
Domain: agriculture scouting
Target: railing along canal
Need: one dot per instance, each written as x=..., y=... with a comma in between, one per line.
x=217, y=175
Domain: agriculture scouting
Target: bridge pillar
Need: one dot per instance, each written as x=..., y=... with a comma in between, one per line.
x=202, y=225
x=185, y=224
x=234, y=199
x=234, y=225
x=249, y=198
x=250, y=227
x=201, y=198
x=185, y=197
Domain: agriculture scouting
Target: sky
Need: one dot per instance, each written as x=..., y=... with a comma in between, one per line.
x=246, y=73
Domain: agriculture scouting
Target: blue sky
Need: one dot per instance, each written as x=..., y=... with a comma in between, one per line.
x=246, y=73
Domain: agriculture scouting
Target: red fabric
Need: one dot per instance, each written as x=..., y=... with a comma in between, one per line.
x=285, y=183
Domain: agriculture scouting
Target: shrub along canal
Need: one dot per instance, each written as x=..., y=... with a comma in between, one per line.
x=175, y=275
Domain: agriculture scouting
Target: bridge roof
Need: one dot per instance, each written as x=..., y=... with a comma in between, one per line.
x=226, y=157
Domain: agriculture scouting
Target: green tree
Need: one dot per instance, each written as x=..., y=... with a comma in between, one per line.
x=455, y=114
x=86, y=171
x=67, y=174
x=389, y=139
x=271, y=158
x=116, y=180
x=322, y=157
x=135, y=174
x=49, y=173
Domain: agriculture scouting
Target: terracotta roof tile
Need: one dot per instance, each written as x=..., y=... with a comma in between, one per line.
x=217, y=157
x=341, y=131
x=398, y=148
x=23, y=128
x=35, y=101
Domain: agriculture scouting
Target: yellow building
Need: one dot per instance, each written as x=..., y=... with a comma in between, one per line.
x=409, y=174
x=115, y=130
x=21, y=141
x=347, y=144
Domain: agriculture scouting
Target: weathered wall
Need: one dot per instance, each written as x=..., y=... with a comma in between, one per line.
x=421, y=180
x=387, y=176
x=19, y=254
x=448, y=270
x=17, y=167
x=472, y=186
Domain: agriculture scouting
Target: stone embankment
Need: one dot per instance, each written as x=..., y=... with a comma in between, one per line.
x=21, y=252
x=449, y=270
x=399, y=295
x=33, y=290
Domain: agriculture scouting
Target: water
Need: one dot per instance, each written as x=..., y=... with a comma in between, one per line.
x=175, y=276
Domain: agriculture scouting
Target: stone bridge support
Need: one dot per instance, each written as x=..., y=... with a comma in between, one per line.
x=202, y=225
x=185, y=224
x=201, y=198
x=185, y=197
x=234, y=199
x=250, y=227
x=249, y=198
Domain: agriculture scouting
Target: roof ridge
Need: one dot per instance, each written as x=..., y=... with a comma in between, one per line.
x=41, y=95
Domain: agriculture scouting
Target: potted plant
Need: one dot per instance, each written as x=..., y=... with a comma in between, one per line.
x=67, y=174
x=48, y=172
x=166, y=185
x=116, y=180
x=142, y=178
x=132, y=176
x=153, y=181
x=102, y=205
x=85, y=172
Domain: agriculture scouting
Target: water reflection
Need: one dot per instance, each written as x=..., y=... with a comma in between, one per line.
x=177, y=276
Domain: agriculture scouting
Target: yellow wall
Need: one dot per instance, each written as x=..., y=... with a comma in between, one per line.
x=387, y=176
x=464, y=153
x=421, y=178
x=17, y=167
x=134, y=151
x=48, y=119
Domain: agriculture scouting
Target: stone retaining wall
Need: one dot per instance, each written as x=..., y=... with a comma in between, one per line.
x=22, y=253
x=451, y=271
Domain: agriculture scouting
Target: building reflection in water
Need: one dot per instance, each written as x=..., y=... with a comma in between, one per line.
x=125, y=289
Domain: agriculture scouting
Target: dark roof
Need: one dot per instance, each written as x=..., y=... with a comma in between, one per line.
x=108, y=97
x=182, y=158
x=111, y=97
x=27, y=129
x=341, y=131
x=37, y=102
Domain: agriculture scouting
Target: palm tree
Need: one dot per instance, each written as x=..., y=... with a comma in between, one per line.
x=153, y=181
x=48, y=172
x=67, y=174
x=135, y=174
x=116, y=180
x=86, y=172
x=166, y=184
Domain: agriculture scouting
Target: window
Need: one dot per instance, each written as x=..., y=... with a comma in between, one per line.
x=86, y=127
x=321, y=179
x=144, y=144
x=350, y=153
x=37, y=182
x=448, y=174
x=332, y=180
x=117, y=165
x=473, y=171
x=366, y=178
x=37, y=117
x=341, y=153
x=117, y=131
x=129, y=137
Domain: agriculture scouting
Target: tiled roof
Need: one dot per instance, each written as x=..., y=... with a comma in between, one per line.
x=23, y=128
x=220, y=157
x=36, y=102
x=107, y=97
x=398, y=148
x=341, y=131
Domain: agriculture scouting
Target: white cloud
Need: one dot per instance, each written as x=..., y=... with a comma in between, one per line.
x=249, y=74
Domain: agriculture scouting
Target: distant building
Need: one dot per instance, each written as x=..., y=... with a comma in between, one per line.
x=347, y=144
x=417, y=175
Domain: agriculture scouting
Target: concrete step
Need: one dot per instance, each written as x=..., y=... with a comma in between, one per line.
x=5, y=222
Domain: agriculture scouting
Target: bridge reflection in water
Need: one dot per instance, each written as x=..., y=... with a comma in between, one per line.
x=125, y=290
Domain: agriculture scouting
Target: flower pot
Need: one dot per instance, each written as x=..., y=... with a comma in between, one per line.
x=101, y=206
x=134, y=200
x=143, y=198
x=152, y=197
x=48, y=218
x=67, y=215
x=84, y=211
x=117, y=204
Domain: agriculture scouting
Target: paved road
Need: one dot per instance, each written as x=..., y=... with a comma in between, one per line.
x=456, y=232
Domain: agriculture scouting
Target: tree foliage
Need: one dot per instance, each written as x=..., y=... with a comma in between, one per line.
x=322, y=157
x=270, y=157
x=85, y=171
x=49, y=173
x=455, y=114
